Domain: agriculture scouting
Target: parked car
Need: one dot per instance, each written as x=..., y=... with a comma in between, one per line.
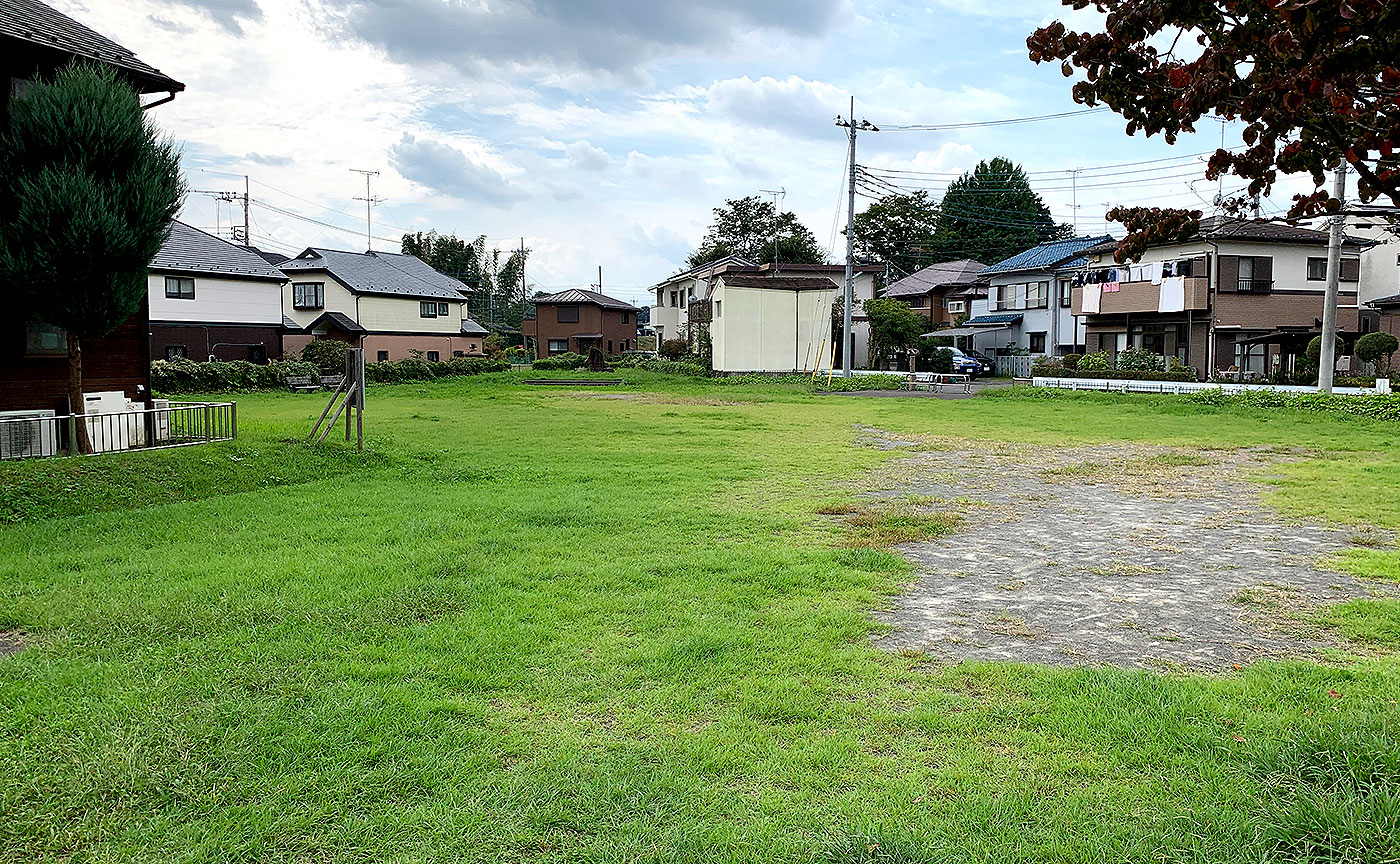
x=988, y=367
x=967, y=364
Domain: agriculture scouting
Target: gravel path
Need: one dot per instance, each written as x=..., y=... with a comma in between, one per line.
x=1124, y=554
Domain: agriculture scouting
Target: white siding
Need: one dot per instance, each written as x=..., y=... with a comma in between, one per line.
x=769, y=329
x=338, y=299
x=218, y=299
x=401, y=315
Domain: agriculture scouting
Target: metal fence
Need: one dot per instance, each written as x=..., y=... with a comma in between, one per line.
x=35, y=434
x=1112, y=385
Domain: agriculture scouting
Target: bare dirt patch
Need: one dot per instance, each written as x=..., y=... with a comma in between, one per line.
x=1118, y=554
x=9, y=642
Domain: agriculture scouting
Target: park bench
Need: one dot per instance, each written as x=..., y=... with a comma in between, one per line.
x=331, y=382
x=936, y=381
x=303, y=383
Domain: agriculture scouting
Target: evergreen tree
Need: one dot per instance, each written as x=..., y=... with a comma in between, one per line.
x=990, y=214
x=754, y=229
x=88, y=189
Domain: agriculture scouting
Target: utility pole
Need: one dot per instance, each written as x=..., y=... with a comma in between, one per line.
x=1327, y=359
x=850, y=125
x=777, y=211
x=231, y=197
x=1074, y=196
x=600, y=278
x=247, y=220
x=370, y=201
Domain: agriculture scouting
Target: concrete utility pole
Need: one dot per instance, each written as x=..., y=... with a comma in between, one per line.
x=247, y=220
x=850, y=125
x=370, y=201
x=1327, y=359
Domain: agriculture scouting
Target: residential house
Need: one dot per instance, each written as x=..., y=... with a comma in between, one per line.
x=943, y=293
x=1025, y=313
x=1239, y=294
x=575, y=321
x=212, y=300
x=671, y=315
x=393, y=306
x=768, y=323
x=35, y=42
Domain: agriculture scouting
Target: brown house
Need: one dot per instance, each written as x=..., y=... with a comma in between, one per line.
x=1241, y=295
x=577, y=320
x=35, y=42
x=942, y=292
x=1388, y=309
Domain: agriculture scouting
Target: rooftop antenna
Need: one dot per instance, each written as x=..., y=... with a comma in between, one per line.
x=370, y=201
x=778, y=195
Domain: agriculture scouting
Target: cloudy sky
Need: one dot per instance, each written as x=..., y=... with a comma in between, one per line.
x=604, y=131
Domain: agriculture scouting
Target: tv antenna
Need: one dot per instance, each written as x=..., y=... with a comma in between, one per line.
x=370, y=201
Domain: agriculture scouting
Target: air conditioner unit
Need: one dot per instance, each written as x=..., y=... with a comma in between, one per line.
x=28, y=433
x=110, y=432
x=162, y=420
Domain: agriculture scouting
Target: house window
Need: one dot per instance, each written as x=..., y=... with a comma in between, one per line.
x=382, y=356
x=558, y=346
x=179, y=287
x=624, y=317
x=442, y=310
x=459, y=353
x=718, y=312
x=175, y=352
x=42, y=340
x=917, y=302
x=1066, y=292
x=427, y=310
x=1317, y=269
x=1038, y=295
x=609, y=346
x=566, y=314
x=432, y=356
x=1247, y=274
x=675, y=298
x=308, y=295
x=1037, y=342
x=257, y=353
x=1185, y=267
x=957, y=307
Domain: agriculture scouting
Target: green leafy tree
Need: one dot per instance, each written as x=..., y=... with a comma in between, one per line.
x=1373, y=346
x=992, y=213
x=88, y=188
x=754, y=229
x=493, y=276
x=899, y=230
x=893, y=326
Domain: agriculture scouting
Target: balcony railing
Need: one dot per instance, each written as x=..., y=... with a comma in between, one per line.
x=35, y=434
x=1255, y=286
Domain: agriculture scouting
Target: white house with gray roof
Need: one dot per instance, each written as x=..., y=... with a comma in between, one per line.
x=210, y=299
x=1027, y=312
x=393, y=306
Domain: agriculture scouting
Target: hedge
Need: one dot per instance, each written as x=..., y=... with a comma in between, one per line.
x=1375, y=407
x=1040, y=370
x=855, y=382
x=560, y=361
x=665, y=367
x=187, y=376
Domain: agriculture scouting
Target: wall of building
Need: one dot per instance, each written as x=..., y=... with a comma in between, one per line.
x=402, y=315
x=118, y=361
x=618, y=335
x=399, y=347
x=223, y=341
x=338, y=298
x=218, y=300
x=769, y=329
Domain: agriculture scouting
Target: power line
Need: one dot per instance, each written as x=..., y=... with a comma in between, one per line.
x=925, y=127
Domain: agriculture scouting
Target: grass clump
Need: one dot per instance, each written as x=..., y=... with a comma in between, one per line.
x=1371, y=622
x=894, y=522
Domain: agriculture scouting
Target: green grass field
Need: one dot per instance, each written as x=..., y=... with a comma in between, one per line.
x=532, y=625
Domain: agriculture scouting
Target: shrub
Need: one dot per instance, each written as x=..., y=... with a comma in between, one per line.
x=1187, y=374
x=674, y=349
x=1140, y=360
x=1375, y=407
x=1071, y=361
x=1047, y=367
x=413, y=369
x=560, y=361
x=1373, y=346
x=1095, y=362
x=941, y=360
x=187, y=376
x=327, y=355
x=665, y=367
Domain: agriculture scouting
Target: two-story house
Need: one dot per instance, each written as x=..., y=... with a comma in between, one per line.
x=212, y=300
x=35, y=42
x=671, y=315
x=576, y=321
x=1239, y=294
x=393, y=306
x=1025, y=311
x=943, y=293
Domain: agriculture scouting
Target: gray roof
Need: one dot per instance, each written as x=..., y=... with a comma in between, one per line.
x=47, y=30
x=1390, y=300
x=339, y=320
x=1047, y=256
x=963, y=272
x=578, y=295
x=788, y=283
x=273, y=258
x=190, y=250
x=382, y=273
x=471, y=328
x=1249, y=230
x=716, y=266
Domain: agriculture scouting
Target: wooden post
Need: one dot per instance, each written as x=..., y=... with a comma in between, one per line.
x=359, y=428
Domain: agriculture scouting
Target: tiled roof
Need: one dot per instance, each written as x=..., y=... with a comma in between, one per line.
x=471, y=328
x=1047, y=255
x=1249, y=230
x=190, y=250
x=289, y=324
x=34, y=23
x=338, y=320
x=936, y=275
x=787, y=283
x=578, y=295
x=994, y=318
x=382, y=273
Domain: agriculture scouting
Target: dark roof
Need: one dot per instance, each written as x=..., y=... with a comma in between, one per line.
x=712, y=267
x=995, y=318
x=786, y=283
x=273, y=258
x=471, y=328
x=1390, y=300
x=45, y=29
x=338, y=320
x=190, y=250
x=1249, y=230
x=1047, y=256
x=962, y=272
x=977, y=289
x=289, y=324
x=383, y=273
x=578, y=295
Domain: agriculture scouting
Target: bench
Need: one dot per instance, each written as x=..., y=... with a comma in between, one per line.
x=303, y=383
x=938, y=380
x=331, y=382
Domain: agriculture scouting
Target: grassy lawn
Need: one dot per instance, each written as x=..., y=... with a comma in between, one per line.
x=537, y=625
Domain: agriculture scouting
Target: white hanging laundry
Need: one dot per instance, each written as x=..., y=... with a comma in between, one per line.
x=1172, y=297
x=1155, y=272
x=1090, y=304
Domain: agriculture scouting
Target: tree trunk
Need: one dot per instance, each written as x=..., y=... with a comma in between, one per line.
x=75, y=393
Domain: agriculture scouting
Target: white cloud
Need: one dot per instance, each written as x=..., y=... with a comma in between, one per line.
x=444, y=169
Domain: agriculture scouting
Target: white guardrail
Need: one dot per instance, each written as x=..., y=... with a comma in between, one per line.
x=1110, y=385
